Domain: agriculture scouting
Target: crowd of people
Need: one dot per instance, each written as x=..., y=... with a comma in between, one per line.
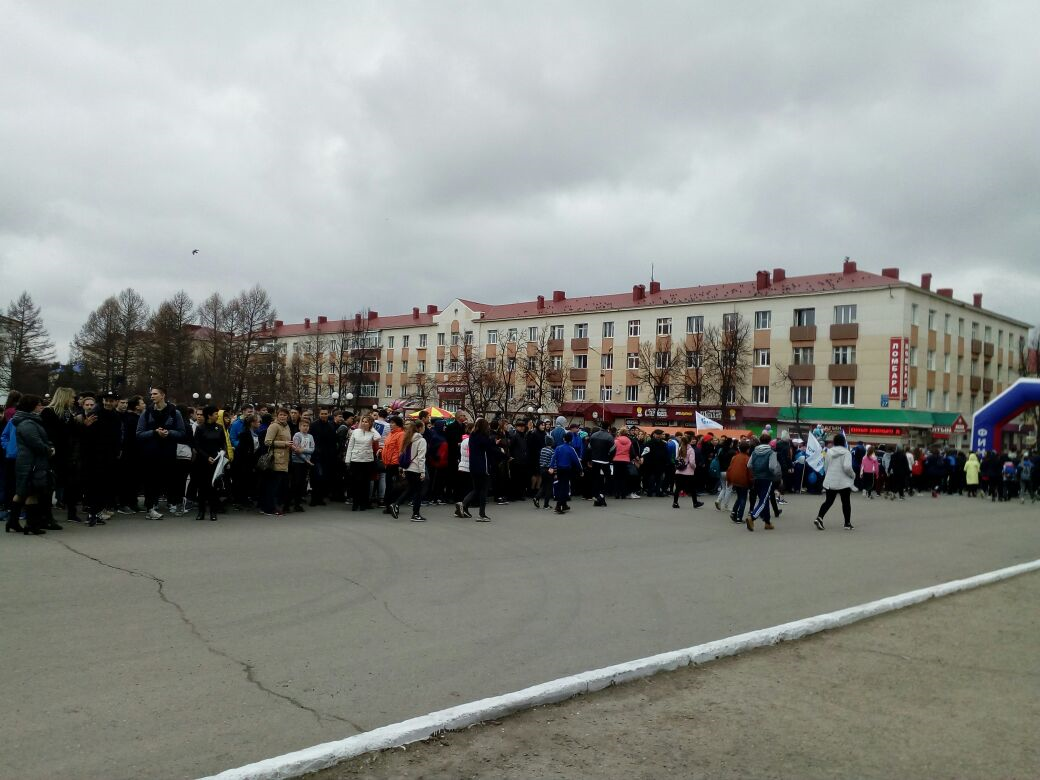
x=101, y=455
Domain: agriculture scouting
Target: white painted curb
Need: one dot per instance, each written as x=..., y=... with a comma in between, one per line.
x=396, y=734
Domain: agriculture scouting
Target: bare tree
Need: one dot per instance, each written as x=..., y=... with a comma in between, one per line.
x=541, y=370
x=170, y=357
x=785, y=380
x=480, y=380
x=693, y=372
x=214, y=320
x=27, y=346
x=420, y=389
x=249, y=318
x=662, y=367
x=363, y=353
x=298, y=374
x=133, y=318
x=98, y=344
x=728, y=359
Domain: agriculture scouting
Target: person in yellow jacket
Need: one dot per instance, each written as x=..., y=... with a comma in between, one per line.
x=971, y=474
x=224, y=421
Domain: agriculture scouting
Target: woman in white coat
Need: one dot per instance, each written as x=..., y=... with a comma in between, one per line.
x=360, y=457
x=838, y=481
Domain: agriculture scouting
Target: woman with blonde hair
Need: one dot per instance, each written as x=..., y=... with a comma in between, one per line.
x=59, y=422
x=412, y=462
x=360, y=457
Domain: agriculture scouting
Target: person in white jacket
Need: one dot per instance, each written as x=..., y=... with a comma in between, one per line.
x=838, y=481
x=360, y=457
x=413, y=453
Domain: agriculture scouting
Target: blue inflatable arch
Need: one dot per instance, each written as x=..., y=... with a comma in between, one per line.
x=988, y=421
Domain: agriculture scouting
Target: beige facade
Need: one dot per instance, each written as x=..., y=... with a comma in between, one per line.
x=959, y=355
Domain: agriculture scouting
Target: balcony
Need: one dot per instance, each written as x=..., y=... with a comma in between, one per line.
x=802, y=371
x=579, y=345
x=976, y=346
x=579, y=374
x=987, y=386
x=987, y=351
x=555, y=345
x=803, y=333
x=840, y=372
x=976, y=384
x=839, y=332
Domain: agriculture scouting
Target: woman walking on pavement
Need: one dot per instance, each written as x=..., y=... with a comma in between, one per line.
x=483, y=457
x=838, y=481
x=685, y=469
x=868, y=471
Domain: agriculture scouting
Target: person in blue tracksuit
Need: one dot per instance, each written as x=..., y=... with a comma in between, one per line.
x=564, y=464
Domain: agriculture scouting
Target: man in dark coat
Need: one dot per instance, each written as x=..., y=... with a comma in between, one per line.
x=325, y=450
x=159, y=430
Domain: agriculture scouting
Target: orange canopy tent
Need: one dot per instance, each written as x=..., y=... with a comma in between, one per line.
x=733, y=433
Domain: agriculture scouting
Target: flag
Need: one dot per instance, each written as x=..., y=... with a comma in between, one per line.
x=703, y=422
x=814, y=453
x=219, y=466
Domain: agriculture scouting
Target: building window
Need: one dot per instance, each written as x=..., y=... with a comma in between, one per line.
x=729, y=321
x=912, y=397
x=960, y=327
x=513, y=334
x=389, y=392
x=801, y=395
x=608, y=330
x=844, y=395
x=844, y=355
x=661, y=395
x=912, y=357
x=761, y=357
x=581, y=361
x=532, y=333
x=633, y=360
x=946, y=324
x=731, y=395
x=492, y=337
x=371, y=367
x=633, y=327
x=662, y=360
x=664, y=326
x=606, y=361
x=974, y=330
x=606, y=394
x=845, y=314
x=930, y=360
x=556, y=394
x=946, y=400
x=421, y=366
x=578, y=393
x=804, y=318
x=389, y=342
x=581, y=330
x=763, y=320
x=404, y=341
x=440, y=365
x=802, y=356
x=404, y=366
x=631, y=393
x=510, y=365
x=422, y=340
x=440, y=339
x=929, y=399
x=368, y=390
x=946, y=362
x=389, y=366
x=974, y=367
x=988, y=335
x=913, y=314
x=455, y=339
x=556, y=362
x=960, y=365
x=556, y=332
x=931, y=319
x=692, y=394
x=760, y=394
x=695, y=324
x=693, y=359
x=468, y=336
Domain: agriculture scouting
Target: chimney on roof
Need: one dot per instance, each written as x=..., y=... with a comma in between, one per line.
x=655, y=287
x=638, y=292
x=945, y=292
x=559, y=295
x=357, y=320
x=976, y=300
x=848, y=267
x=891, y=273
x=278, y=323
x=541, y=302
x=415, y=312
x=306, y=322
x=762, y=280
x=926, y=281
x=431, y=309
x=322, y=319
x=373, y=315
x=779, y=274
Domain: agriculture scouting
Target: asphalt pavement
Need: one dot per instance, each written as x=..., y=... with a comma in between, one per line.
x=177, y=648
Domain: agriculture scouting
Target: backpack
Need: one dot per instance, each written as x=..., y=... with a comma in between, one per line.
x=917, y=469
x=1009, y=471
x=1027, y=470
x=756, y=458
x=404, y=460
x=715, y=468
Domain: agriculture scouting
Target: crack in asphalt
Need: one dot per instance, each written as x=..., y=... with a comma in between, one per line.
x=386, y=606
x=248, y=668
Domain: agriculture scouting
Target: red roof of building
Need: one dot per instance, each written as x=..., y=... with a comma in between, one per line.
x=346, y=326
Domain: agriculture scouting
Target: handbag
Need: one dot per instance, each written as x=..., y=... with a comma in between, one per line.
x=265, y=462
x=41, y=478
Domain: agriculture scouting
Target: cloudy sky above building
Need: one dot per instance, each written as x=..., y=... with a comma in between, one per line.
x=390, y=155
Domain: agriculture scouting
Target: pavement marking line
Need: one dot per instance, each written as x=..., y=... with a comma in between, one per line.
x=322, y=756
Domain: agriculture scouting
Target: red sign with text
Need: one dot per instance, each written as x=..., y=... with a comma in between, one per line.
x=898, y=369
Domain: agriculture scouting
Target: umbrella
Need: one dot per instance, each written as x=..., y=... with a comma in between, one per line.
x=435, y=412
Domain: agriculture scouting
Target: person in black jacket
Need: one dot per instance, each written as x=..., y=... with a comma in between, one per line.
x=209, y=442
x=654, y=462
x=243, y=467
x=325, y=451
x=159, y=430
x=60, y=424
x=130, y=457
x=32, y=467
x=90, y=456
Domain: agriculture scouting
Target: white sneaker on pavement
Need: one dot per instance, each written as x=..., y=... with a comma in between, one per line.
x=153, y=515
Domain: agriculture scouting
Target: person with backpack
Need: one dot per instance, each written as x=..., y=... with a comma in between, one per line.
x=739, y=479
x=765, y=469
x=838, y=480
x=159, y=430
x=412, y=463
x=483, y=458
x=935, y=471
x=1025, y=479
x=685, y=469
x=720, y=464
x=564, y=464
x=1008, y=477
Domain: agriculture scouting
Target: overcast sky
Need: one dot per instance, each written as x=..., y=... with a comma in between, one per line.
x=392, y=155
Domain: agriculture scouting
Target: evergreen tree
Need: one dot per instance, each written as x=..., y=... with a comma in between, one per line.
x=26, y=347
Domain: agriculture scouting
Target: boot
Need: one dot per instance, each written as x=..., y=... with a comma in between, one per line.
x=12, y=521
x=32, y=520
x=202, y=510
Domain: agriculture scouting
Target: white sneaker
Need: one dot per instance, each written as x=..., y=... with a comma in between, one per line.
x=153, y=515
x=635, y=495
x=106, y=515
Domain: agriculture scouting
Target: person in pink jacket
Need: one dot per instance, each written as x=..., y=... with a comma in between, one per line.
x=868, y=471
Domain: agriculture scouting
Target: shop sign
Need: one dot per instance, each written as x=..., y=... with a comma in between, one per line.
x=874, y=430
x=451, y=390
x=898, y=368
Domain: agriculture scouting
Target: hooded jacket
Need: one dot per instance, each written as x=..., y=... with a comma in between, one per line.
x=838, y=463
x=971, y=470
x=763, y=463
x=151, y=444
x=34, y=449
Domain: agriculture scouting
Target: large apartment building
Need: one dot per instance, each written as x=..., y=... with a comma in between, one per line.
x=882, y=357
